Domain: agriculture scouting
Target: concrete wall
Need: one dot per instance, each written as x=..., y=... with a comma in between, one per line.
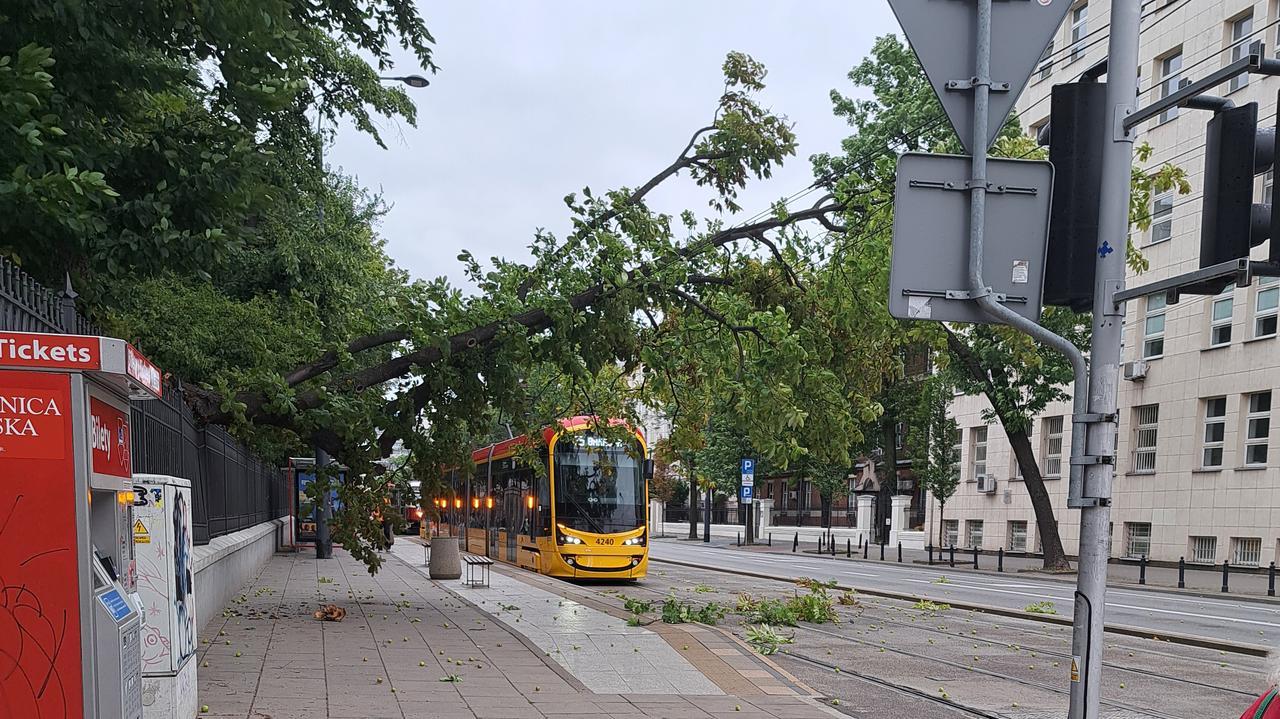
x=226, y=563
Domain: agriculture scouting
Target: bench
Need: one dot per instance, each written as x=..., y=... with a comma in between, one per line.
x=477, y=572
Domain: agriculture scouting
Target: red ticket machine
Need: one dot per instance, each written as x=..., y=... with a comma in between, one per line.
x=69, y=622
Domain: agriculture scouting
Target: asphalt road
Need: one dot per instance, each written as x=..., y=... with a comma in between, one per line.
x=1247, y=622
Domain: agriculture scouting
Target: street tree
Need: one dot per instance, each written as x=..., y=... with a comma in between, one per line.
x=931, y=442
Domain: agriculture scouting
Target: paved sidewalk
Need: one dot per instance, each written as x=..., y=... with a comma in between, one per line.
x=1200, y=579
x=409, y=647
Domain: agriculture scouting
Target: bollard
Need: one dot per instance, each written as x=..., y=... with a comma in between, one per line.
x=1271, y=580
x=882, y=543
x=1142, y=569
x=1000, y=559
x=819, y=544
x=866, y=546
x=848, y=548
x=952, y=557
x=739, y=539
x=975, y=557
x=795, y=542
x=833, y=546
x=1182, y=572
x=899, y=552
x=1226, y=572
x=930, y=549
x=770, y=539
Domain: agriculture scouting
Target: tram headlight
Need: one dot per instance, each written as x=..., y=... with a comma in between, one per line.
x=634, y=541
x=566, y=539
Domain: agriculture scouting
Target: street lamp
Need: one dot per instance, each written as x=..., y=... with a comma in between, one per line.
x=410, y=80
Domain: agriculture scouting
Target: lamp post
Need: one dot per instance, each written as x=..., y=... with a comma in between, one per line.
x=416, y=81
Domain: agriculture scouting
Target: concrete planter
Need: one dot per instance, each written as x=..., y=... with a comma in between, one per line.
x=445, y=562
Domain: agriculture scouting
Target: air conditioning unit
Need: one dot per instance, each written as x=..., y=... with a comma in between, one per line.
x=1135, y=371
x=986, y=484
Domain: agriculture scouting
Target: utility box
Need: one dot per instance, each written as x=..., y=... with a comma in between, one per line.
x=162, y=542
x=70, y=641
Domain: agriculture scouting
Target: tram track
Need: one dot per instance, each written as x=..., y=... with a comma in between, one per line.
x=678, y=581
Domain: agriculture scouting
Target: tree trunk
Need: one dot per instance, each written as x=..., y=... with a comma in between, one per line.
x=942, y=521
x=826, y=511
x=1054, y=555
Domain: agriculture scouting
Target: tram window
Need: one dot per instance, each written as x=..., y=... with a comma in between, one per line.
x=543, y=502
x=599, y=484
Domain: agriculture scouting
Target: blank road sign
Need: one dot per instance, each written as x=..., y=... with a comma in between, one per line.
x=931, y=237
x=943, y=34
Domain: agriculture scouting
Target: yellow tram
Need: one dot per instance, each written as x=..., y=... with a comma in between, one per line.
x=584, y=516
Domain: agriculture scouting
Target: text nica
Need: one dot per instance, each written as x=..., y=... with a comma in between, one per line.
x=24, y=408
x=35, y=350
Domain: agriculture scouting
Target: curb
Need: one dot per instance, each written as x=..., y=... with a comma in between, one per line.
x=1037, y=573
x=1120, y=629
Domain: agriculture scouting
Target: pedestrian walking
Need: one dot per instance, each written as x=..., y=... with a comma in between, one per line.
x=1268, y=705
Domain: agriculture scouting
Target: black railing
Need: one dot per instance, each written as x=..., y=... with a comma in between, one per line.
x=231, y=489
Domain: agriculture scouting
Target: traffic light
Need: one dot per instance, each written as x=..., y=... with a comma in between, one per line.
x=1235, y=151
x=1077, y=124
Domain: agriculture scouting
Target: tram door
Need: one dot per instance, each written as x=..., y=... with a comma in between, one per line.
x=498, y=472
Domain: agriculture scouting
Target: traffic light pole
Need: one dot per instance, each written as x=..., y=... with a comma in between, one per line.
x=1108, y=321
x=1094, y=395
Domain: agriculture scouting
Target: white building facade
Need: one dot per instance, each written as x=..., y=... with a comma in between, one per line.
x=1197, y=472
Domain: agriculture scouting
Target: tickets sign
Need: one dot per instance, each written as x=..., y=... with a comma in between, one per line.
x=20, y=349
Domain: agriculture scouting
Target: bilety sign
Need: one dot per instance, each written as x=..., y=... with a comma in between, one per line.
x=109, y=439
x=18, y=349
x=142, y=371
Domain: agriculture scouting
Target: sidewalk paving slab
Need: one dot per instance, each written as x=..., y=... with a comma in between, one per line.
x=266, y=657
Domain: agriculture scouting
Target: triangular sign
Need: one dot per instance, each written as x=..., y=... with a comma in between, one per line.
x=943, y=34
x=139, y=527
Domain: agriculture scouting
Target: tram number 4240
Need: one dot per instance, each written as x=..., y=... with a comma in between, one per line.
x=605, y=540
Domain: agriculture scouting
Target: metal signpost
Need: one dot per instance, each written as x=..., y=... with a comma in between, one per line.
x=747, y=499
x=936, y=30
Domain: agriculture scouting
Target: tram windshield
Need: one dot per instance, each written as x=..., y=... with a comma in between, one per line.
x=599, y=484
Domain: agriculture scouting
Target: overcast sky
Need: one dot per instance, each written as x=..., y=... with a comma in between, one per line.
x=534, y=100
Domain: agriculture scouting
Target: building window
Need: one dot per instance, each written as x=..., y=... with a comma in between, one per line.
x=1137, y=539
x=1146, y=420
x=1220, y=316
x=1170, y=77
x=1204, y=550
x=1046, y=62
x=1257, y=429
x=899, y=435
x=956, y=446
x=1153, y=326
x=1241, y=29
x=1017, y=536
x=1246, y=551
x=1079, y=28
x=973, y=528
x=977, y=453
x=1215, y=431
x=1268, y=186
x=951, y=532
x=1264, y=307
x=1052, y=449
x=1162, y=218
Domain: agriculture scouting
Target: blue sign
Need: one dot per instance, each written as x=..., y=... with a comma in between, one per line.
x=115, y=604
x=748, y=466
x=746, y=493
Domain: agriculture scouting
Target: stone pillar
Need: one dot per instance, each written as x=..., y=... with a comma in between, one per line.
x=866, y=517
x=900, y=504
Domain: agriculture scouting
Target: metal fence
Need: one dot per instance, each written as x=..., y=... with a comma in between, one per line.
x=231, y=489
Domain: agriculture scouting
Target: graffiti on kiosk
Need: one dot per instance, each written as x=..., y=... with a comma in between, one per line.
x=184, y=609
